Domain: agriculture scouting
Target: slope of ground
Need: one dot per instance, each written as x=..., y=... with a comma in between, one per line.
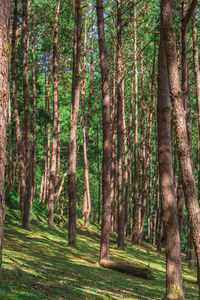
x=38, y=264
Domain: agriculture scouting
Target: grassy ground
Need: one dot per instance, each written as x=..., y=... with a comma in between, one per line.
x=38, y=264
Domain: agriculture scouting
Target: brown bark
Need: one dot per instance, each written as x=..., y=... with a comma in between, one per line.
x=135, y=192
x=120, y=99
x=86, y=196
x=126, y=172
x=106, y=210
x=197, y=80
x=52, y=179
x=27, y=130
x=113, y=144
x=135, y=270
x=180, y=125
x=142, y=153
x=76, y=80
x=174, y=289
x=34, y=117
x=10, y=158
x=157, y=205
x=150, y=151
x=5, y=12
x=130, y=159
x=20, y=146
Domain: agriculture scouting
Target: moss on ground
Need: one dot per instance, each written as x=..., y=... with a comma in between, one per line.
x=38, y=264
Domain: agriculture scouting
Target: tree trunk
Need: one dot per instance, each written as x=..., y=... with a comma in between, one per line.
x=106, y=210
x=174, y=288
x=86, y=196
x=197, y=80
x=20, y=145
x=34, y=117
x=120, y=99
x=51, y=199
x=27, y=129
x=180, y=125
x=135, y=192
x=5, y=12
x=76, y=80
x=10, y=158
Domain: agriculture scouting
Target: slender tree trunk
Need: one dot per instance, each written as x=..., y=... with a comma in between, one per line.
x=106, y=210
x=130, y=159
x=10, y=158
x=86, y=197
x=51, y=199
x=5, y=12
x=113, y=142
x=142, y=152
x=20, y=146
x=174, y=289
x=120, y=96
x=99, y=181
x=34, y=117
x=76, y=80
x=180, y=125
x=27, y=129
x=135, y=201
x=197, y=80
x=150, y=151
x=157, y=204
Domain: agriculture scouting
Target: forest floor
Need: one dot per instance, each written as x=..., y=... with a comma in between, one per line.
x=38, y=264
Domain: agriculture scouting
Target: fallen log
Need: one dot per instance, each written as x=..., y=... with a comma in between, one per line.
x=127, y=268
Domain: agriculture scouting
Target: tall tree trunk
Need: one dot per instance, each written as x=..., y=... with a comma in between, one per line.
x=34, y=116
x=10, y=159
x=197, y=80
x=120, y=96
x=27, y=129
x=51, y=199
x=135, y=201
x=86, y=195
x=5, y=12
x=106, y=210
x=113, y=143
x=174, y=289
x=20, y=145
x=150, y=150
x=76, y=80
x=180, y=124
x=130, y=159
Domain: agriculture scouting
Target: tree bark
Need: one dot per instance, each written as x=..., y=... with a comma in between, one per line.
x=51, y=199
x=174, y=289
x=5, y=14
x=135, y=192
x=34, y=116
x=86, y=196
x=27, y=129
x=180, y=124
x=106, y=210
x=120, y=96
x=76, y=80
x=197, y=80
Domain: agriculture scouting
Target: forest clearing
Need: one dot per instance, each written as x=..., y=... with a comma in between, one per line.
x=99, y=149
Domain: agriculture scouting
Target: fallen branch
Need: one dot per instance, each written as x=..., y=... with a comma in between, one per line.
x=127, y=268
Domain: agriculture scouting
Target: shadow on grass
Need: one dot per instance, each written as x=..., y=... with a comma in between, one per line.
x=38, y=264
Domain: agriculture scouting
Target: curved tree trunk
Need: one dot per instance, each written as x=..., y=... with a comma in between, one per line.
x=180, y=124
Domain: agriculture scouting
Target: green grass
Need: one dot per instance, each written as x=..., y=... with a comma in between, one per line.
x=38, y=264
